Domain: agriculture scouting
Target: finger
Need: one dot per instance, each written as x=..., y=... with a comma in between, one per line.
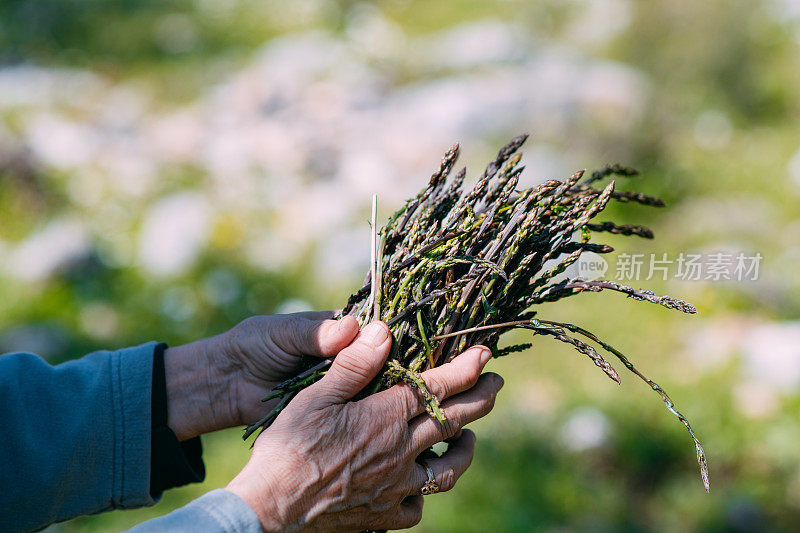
x=447, y=468
x=405, y=514
x=357, y=364
x=454, y=437
x=300, y=334
x=460, y=410
x=409, y=513
x=443, y=381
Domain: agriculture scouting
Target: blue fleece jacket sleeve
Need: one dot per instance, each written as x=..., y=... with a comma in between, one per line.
x=74, y=438
x=218, y=511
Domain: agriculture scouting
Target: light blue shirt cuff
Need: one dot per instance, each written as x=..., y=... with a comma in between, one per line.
x=216, y=511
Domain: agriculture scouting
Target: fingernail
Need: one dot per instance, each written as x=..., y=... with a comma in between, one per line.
x=375, y=333
x=485, y=355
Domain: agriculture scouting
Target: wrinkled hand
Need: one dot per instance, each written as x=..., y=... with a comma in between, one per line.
x=219, y=382
x=266, y=350
x=331, y=464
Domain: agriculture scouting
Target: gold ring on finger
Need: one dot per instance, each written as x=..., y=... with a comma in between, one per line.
x=430, y=486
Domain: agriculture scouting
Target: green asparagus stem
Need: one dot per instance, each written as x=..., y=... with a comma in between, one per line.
x=454, y=268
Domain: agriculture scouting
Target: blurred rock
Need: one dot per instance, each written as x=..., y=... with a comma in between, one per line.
x=173, y=233
x=45, y=340
x=585, y=428
x=755, y=400
x=297, y=140
x=179, y=304
x=61, y=243
x=538, y=397
x=221, y=287
x=772, y=355
x=600, y=21
x=713, y=130
x=769, y=354
x=99, y=320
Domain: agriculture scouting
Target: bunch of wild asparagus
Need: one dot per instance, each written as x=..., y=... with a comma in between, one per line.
x=455, y=268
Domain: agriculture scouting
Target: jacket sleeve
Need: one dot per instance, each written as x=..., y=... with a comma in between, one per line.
x=74, y=438
x=218, y=511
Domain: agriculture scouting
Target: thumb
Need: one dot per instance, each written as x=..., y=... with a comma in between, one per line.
x=310, y=333
x=357, y=364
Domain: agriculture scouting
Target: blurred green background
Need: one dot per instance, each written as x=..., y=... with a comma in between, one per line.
x=170, y=168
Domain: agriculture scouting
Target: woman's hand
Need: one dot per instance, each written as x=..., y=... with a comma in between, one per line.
x=330, y=464
x=219, y=382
